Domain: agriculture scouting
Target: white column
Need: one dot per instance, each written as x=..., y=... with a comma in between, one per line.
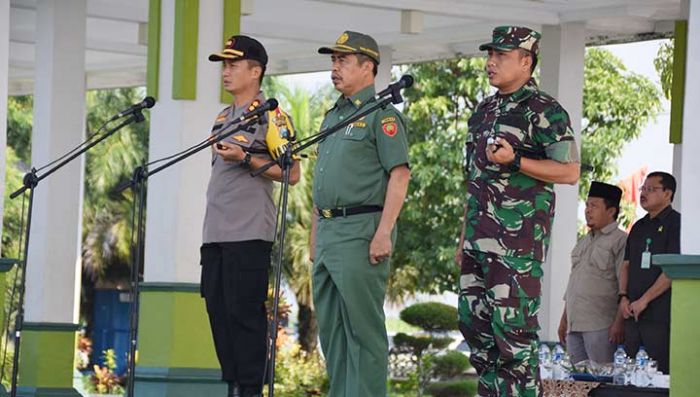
x=53, y=274
x=690, y=161
x=176, y=196
x=562, y=55
x=383, y=77
x=4, y=65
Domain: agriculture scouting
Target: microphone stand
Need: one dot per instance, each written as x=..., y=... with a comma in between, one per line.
x=30, y=182
x=285, y=162
x=138, y=185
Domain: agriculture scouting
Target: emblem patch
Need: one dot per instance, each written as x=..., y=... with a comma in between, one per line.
x=390, y=129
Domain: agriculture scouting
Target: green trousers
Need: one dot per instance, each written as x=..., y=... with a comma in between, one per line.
x=349, y=299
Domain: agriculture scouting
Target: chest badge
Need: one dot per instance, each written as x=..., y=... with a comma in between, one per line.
x=240, y=138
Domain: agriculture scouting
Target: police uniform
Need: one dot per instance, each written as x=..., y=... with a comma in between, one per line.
x=658, y=235
x=507, y=228
x=350, y=185
x=238, y=233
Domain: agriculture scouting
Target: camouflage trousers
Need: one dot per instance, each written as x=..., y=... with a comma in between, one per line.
x=499, y=299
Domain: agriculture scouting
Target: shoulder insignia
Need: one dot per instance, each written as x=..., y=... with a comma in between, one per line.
x=390, y=129
x=390, y=119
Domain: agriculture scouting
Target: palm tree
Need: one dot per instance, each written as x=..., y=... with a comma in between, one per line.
x=307, y=112
x=106, y=211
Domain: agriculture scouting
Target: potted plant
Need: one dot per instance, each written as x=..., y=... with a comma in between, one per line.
x=104, y=382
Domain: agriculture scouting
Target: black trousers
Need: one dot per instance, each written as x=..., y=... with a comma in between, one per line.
x=234, y=286
x=653, y=335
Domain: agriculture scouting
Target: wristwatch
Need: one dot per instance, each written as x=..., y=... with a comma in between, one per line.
x=515, y=165
x=246, y=160
x=621, y=295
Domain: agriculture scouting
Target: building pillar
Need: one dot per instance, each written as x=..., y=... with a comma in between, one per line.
x=4, y=81
x=175, y=350
x=383, y=78
x=53, y=267
x=690, y=161
x=562, y=62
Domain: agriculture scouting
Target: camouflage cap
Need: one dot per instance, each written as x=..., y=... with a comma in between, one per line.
x=511, y=37
x=241, y=47
x=353, y=43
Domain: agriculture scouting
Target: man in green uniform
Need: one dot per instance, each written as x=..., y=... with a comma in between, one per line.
x=360, y=183
x=509, y=212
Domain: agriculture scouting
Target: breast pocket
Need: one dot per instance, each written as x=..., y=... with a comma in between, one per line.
x=603, y=261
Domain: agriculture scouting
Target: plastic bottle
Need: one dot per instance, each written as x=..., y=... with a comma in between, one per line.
x=640, y=367
x=545, y=356
x=557, y=357
x=619, y=359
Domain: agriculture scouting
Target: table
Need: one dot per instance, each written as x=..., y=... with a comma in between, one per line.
x=570, y=388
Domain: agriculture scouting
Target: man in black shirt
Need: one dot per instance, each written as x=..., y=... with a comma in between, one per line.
x=645, y=291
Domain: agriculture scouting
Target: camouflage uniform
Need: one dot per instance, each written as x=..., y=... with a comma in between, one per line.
x=507, y=228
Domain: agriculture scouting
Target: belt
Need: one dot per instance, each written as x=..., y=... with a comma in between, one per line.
x=328, y=213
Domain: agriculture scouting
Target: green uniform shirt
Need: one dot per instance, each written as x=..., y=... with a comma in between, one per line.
x=354, y=163
x=510, y=213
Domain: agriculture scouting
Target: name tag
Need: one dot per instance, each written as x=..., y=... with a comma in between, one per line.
x=646, y=260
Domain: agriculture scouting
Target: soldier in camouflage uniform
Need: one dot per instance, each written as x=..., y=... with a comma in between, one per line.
x=509, y=212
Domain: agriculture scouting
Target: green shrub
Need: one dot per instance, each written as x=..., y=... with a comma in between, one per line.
x=419, y=343
x=299, y=374
x=431, y=316
x=450, y=365
x=457, y=388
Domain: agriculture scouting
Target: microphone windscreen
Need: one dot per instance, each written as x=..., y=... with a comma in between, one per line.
x=407, y=80
x=149, y=101
x=272, y=103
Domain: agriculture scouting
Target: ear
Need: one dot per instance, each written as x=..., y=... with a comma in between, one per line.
x=611, y=211
x=526, y=62
x=257, y=70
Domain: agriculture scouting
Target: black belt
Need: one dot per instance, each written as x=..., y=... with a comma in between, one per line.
x=336, y=212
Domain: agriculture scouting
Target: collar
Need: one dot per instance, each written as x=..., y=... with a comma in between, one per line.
x=607, y=229
x=526, y=91
x=662, y=215
x=260, y=98
x=360, y=98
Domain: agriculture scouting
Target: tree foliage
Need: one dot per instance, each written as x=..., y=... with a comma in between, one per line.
x=438, y=107
x=663, y=63
x=107, y=212
x=616, y=105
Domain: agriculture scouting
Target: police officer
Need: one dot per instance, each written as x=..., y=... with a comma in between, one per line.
x=519, y=144
x=645, y=291
x=360, y=182
x=240, y=220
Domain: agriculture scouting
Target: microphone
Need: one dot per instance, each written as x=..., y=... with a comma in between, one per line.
x=270, y=104
x=147, y=103
x=404, y=82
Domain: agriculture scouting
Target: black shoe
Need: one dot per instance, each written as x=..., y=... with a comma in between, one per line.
x=233, y=390
x=247, y=391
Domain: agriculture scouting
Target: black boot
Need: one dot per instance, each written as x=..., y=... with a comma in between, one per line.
x=251, y=391
x=233, y=390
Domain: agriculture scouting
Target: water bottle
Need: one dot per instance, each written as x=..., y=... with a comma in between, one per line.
x=619, y=359
x=557, y=357
x=545, y=356
x=640, y=367
x=558, y=353
x=565, y=367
